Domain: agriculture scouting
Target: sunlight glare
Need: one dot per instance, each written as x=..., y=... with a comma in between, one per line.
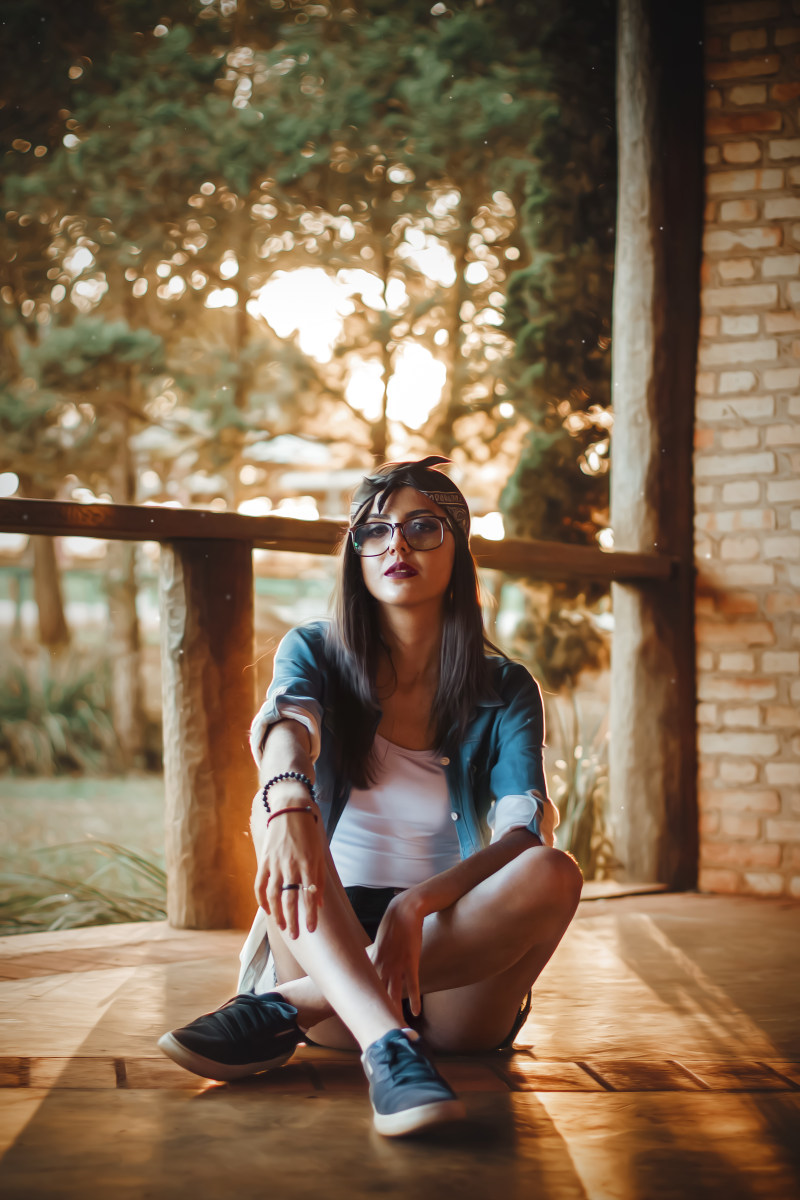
x=415, y=387
x=256, y=506
x=84, y=547
x=85, y=495
x=476, y=272
x=396, y=295
x=250, y=475
x=444, y=203
x=428, y=255
x=302, y=508
x=9, y=482
x=490, y=527
x=364, y=390
x=78, y=260
x=307, y=302
x=88, y=292
x=222, y=298
x=358, y=282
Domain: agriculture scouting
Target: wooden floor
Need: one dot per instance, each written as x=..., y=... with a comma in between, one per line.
x=661, y=1059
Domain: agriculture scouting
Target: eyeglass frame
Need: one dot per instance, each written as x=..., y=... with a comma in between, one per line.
x=444, y=522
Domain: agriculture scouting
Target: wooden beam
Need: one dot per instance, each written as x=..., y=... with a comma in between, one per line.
x=655, y=331
x=129, y=522
x=143, y=523
x=208, y=681
x=557, y=560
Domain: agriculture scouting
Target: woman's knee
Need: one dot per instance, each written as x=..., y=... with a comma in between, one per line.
x=553, y=869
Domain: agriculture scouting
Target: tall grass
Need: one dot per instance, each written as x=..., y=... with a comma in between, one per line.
x=69, y=888
x=54, y=715
x=578, y=783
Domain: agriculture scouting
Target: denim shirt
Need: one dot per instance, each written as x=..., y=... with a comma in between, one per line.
x=498, y=760
x=500, y=756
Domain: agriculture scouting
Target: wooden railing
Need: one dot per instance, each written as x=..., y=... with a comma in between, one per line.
x=139, y=523
x=207, y=631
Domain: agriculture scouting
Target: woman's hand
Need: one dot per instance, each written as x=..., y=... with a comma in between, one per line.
x=293, y=851
x=398, y=945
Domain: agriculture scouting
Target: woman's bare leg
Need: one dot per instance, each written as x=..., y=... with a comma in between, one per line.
x=474, y=949
x=478, y=960
x=328, y=973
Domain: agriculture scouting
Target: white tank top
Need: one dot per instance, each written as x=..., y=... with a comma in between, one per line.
x=400, y=831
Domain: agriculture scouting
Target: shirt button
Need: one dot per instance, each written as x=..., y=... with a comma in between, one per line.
x=445, y=761
x=454, y=816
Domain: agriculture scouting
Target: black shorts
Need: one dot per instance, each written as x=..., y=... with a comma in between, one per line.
x=369, y=905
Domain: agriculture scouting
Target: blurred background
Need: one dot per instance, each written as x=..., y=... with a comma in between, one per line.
x=250, y=248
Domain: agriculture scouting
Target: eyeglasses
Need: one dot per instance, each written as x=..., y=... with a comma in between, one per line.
x=421, y=533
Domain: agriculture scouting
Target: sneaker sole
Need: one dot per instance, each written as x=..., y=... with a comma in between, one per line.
x=208, y=1069
x=410, y=1120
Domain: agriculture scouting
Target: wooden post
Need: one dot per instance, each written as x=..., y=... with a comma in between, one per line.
x=656, y=316
x=206, y=602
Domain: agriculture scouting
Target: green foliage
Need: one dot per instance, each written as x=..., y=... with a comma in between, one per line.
x=54, y=716
x=558, y=636
x=177, y=152
x=319, y=134
x=59, y=414
x=68, y=891
x=578, y=785
x=93, y=349
x=558, y=306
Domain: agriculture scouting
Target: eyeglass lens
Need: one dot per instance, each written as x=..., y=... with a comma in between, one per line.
x=421, y=533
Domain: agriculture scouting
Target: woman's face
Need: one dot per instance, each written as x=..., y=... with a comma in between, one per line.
x=400, y=576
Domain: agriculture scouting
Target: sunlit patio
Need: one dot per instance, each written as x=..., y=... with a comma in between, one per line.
x=288, y=321
x=661, y=1059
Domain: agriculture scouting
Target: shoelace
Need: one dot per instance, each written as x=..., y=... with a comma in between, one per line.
x=247, y=1014
x=406, y=1065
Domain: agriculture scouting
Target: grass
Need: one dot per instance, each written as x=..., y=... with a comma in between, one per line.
x=121, y=886
x=578, y=782
x=54, y=714
x=77, y=851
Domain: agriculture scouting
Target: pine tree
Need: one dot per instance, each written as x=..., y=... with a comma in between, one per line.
x=559, y=303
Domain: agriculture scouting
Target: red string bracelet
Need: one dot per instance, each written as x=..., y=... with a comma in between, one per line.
x=280, y=811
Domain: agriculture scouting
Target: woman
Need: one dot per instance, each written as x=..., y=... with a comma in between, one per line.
x=392, y=740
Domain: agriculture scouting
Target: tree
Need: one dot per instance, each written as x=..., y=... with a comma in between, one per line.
x=71, y=414
x=559, y=303
x=190, y=156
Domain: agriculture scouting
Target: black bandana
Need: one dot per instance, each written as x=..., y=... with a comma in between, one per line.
x=417, y=475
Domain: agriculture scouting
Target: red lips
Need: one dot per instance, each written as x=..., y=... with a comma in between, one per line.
x=401, y=570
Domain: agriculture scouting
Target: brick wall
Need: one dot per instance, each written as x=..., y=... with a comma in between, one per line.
x=747, y=457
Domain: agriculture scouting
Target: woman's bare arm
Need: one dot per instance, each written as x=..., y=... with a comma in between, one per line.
x=293, y=849
x=440, y=891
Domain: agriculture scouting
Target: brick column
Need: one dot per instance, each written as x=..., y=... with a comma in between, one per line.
x=747, y=460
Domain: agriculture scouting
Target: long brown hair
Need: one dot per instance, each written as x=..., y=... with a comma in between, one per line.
x=355, y=641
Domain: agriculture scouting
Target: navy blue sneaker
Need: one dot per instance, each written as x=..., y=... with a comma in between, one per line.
x=406, y=1090
x=248, y=1034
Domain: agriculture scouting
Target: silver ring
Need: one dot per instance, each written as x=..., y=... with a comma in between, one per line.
x=291, y=887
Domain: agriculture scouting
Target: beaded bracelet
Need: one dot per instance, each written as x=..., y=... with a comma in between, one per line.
x=280, y=811
x=298, y=775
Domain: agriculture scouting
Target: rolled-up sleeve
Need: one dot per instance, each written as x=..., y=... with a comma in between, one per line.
x=296, y=692
x=517, y=777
